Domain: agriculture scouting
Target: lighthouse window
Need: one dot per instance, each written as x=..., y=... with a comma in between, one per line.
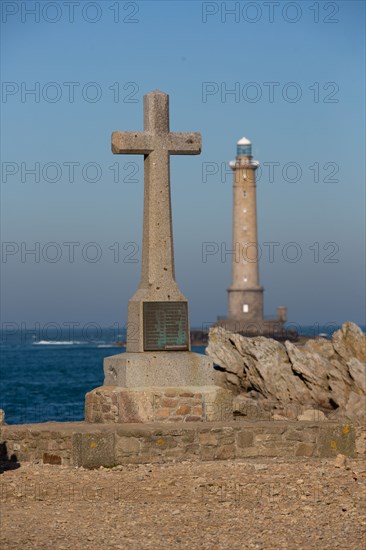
x=245, y=308
x=244, y=193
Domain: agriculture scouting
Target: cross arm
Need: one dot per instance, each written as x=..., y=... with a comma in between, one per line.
x=184, y=143
x=131, y=143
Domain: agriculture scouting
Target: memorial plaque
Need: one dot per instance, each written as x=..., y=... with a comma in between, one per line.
x=165, y=326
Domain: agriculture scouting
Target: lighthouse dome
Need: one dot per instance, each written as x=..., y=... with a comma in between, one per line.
x=244, y=147
x=244, y=141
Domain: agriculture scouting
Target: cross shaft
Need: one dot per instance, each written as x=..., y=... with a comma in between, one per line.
x=156, y=143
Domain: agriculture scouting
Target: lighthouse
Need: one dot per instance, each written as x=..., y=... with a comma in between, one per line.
x=245, y=295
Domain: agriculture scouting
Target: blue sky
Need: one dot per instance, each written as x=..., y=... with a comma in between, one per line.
x=297, y=81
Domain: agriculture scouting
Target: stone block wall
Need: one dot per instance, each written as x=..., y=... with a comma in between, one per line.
x=29, y=443
x=94, y=445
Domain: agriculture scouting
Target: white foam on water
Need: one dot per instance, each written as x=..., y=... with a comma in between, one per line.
x=107, y=346
x=55, y=343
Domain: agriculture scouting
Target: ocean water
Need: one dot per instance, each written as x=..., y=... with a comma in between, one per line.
x=43, y=380
x=47, y=379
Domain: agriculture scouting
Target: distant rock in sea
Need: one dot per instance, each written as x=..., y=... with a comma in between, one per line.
x=325, y=374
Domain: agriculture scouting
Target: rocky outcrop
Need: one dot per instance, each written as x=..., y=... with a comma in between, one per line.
x=326, y=374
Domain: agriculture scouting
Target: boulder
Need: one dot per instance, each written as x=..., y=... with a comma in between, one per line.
x=261, y=366
x=325, y=374
x=350, y=342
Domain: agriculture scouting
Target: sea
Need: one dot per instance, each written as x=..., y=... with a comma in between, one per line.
x=47, y=379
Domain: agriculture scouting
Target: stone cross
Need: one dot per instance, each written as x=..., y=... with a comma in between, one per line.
x=157, y=282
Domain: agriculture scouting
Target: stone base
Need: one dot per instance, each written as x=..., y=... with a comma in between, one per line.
x=95, y=445
x=115, y=404
x=159, y=369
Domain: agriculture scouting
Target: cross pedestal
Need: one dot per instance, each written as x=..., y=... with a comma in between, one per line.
x=158, y=378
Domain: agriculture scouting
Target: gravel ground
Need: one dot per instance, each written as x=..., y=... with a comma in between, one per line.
x=237, y=504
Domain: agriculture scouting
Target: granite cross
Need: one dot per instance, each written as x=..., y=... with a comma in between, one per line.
x=156, y=143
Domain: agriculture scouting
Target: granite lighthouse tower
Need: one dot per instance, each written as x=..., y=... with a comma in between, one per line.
x=245, y=292
x=245, y=295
